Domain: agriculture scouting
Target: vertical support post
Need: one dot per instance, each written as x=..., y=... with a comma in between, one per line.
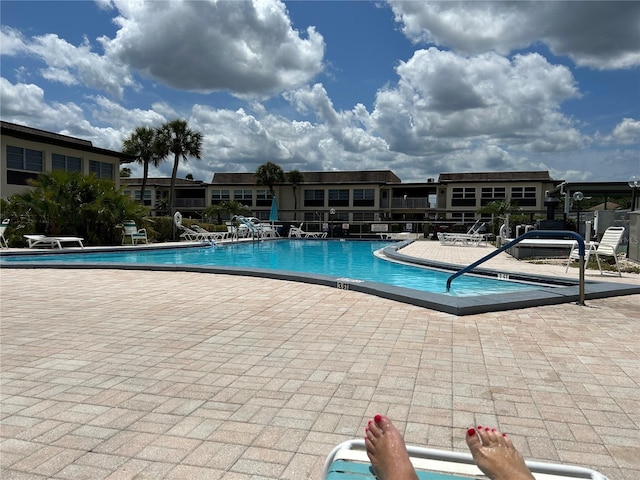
x=581, y=280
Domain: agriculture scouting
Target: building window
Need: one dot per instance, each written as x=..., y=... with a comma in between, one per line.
x=363, y=216
x=463, y=217
x=24, y=159
x=492, y=194
x=244, y=197
x=101, y=169
x=66, y=163
x=524, y=196
x=263, y=198
x=364, y=197
x=339, y=197
x=218, y=196
x=314, y=198
x=147, y=196
x=339, y=216
x=23, y=164
x=463, y=197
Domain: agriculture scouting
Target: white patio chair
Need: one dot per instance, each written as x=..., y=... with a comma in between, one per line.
x=3, y=228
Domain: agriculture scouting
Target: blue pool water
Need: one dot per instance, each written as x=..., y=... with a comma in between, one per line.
x=350, y=259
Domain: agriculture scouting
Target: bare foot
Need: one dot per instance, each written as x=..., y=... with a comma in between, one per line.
x=387, y=451
x=496, y=456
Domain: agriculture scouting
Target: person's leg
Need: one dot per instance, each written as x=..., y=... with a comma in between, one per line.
x=496, y=456
x=387, y=451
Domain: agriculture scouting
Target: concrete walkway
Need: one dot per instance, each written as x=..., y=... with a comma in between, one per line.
x=155, y=375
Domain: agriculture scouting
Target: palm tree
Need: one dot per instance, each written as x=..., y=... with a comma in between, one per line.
x=176, y=137
x=499, y=210
x=268, y=174
x=229, y=207
x=69, y=203
x=295, y=177
x=142, y=144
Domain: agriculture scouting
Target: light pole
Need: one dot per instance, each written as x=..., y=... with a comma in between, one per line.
x=577, y=197
x=332, y=212
x=634, y=185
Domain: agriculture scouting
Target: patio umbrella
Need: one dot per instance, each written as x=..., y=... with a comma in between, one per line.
x=273, y=215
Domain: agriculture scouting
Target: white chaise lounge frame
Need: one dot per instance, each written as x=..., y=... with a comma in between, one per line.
x=430, y=462
x=45, y=241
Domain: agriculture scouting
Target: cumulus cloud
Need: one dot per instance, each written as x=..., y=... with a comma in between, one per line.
x=22, y=102
x=70, y=64
x=601, y=35
x=247, y=48
x=11, y=41
x=470, y=105
x=445, y=102
x=626, y=132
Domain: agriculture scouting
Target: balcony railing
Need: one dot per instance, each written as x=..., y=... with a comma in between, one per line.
x=415, y=202
x=189, y=202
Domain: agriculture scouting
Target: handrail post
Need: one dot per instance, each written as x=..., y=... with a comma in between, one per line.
x=531, y=233
x=582, y=266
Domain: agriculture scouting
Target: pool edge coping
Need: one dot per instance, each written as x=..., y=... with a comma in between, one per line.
x=455, y=305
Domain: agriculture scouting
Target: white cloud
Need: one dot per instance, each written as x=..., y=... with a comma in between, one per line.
x=601, y=35
x=456, y=110
x=445, y=102
x=626, y=132
x=247, y=48
x=22, y=102
x=11, y=41
x=69, y=64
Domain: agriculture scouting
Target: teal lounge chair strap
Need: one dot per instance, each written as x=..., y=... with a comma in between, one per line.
x=347, y=470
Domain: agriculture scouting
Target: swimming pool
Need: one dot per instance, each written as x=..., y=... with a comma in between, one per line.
x=354, y=260
x=343, y=264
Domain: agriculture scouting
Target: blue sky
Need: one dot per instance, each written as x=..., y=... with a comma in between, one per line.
x=420, y=88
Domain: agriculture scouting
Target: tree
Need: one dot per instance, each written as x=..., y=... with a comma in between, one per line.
x=295, y=177
x=268, y=174
x=176, y=137
x=63, y=203
x=125, y=172
x=499, y=211
x=499, y=208
x=142, y=144
x=230, y=207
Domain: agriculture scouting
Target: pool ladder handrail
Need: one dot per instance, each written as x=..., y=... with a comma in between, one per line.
x=524, y=236
x=251, y=227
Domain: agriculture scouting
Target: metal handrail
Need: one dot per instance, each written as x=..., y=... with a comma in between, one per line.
x=531, y=233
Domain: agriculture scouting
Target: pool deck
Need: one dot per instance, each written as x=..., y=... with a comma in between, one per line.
x=175, y=375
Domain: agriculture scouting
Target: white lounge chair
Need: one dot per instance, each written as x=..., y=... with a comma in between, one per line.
x=232, y=231
x=191, y=234
x=196, y=236
x=45, y=241
x=606, y=247
x=297, y=232
x=130, y=230
x=574, y=255
x=208, y=234
x=3, y=228
x=473, y=237
x=348, y=461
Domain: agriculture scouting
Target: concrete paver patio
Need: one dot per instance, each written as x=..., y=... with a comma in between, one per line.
x=155, y=375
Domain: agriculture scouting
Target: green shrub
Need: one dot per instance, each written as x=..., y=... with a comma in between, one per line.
x=63, y=203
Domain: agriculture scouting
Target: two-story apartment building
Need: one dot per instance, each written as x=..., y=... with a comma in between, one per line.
x=340, y=196
x=27, y=152
x=358, y=196
x=461, y=195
